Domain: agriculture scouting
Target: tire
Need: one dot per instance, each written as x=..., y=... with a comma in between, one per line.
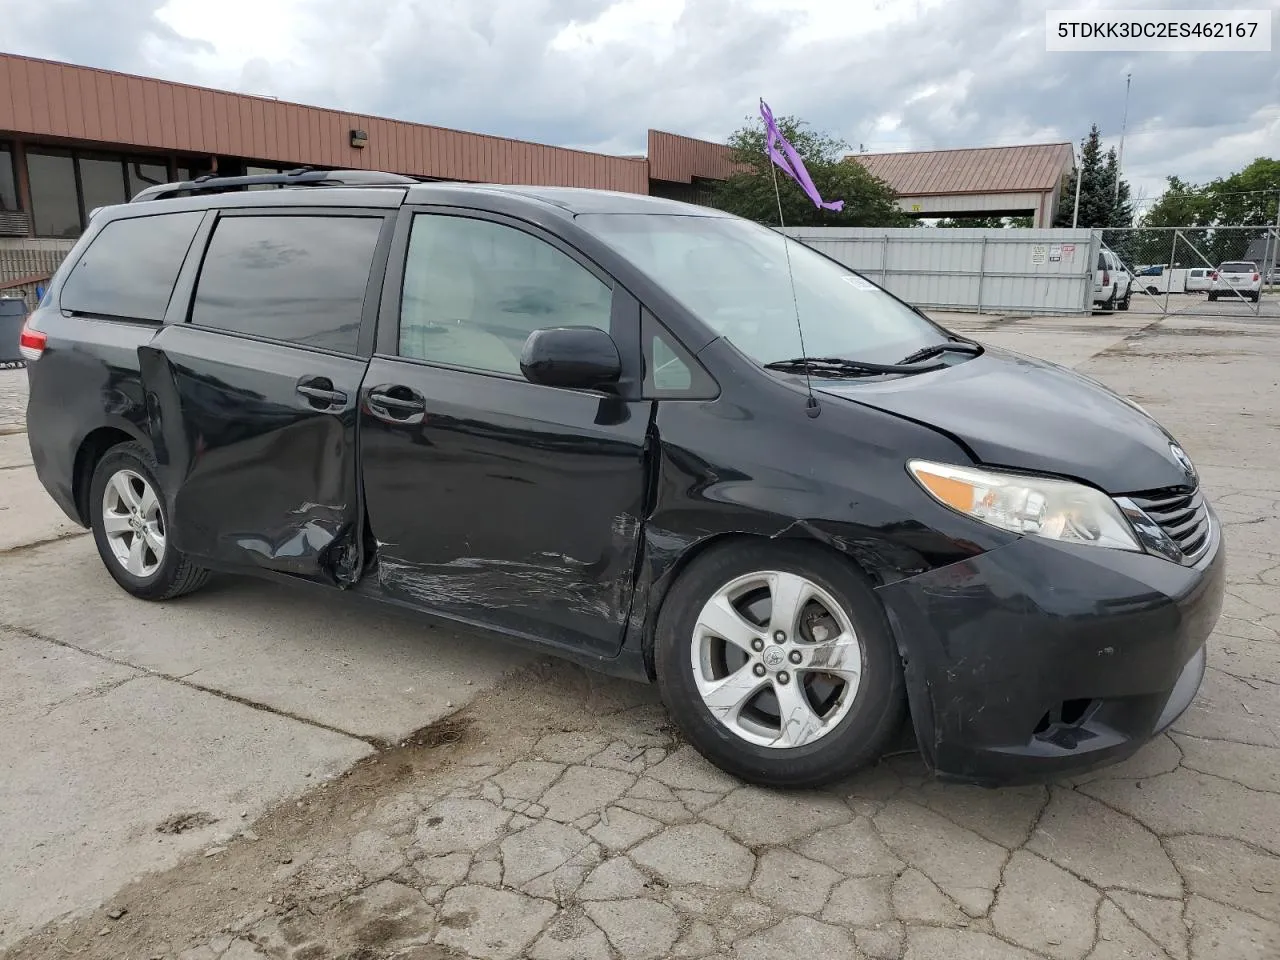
x=159, y=573
x=1213, y=297
x=1153, y=289
x=856, y=721
x=1124, y=304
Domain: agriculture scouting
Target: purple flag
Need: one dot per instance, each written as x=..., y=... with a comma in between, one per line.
x=789, y=160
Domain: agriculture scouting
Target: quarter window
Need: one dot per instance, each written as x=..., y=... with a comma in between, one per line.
x=130, y=267
x=474, y=290
x=300, y=279
x=669, y=370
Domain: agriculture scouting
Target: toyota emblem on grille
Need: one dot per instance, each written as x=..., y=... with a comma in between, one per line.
x=1184, y=461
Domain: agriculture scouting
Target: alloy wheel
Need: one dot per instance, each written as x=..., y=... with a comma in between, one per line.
x=776, y=659
x=133, y=523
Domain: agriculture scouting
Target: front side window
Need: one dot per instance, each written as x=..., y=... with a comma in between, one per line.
x=474, y=290
x=733, y=274
x=300, y=279
x=130, y=267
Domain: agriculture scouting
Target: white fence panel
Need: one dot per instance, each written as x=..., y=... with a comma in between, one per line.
x=987, y=271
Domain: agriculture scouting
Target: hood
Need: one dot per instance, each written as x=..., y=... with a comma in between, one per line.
x=1016, y=411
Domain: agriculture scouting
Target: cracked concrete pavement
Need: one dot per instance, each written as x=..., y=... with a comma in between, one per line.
x=557, y=815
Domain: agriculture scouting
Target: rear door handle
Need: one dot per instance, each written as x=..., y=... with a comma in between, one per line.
x=396, y=403
x=320, y=393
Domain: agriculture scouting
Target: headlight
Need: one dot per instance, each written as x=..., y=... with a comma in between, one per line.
x=1035, y=506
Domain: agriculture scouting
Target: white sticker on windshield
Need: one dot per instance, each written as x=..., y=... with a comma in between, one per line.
x=858, y=283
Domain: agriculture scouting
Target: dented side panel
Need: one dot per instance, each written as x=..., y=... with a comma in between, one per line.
x=507, y=504
x=254, y=473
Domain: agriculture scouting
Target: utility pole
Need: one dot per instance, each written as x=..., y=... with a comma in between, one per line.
x=1274, y=245
x=1075, y=214
x=1124, y=123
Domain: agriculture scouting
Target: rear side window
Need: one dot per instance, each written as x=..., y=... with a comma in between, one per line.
x=300, y=279
x=130, y=267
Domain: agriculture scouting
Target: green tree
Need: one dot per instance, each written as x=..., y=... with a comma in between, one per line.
x=987, y=222
x=1099, y=204
x=868, y=200
x=1246, y=198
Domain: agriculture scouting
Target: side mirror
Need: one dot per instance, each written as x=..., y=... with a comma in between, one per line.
x=575, y=357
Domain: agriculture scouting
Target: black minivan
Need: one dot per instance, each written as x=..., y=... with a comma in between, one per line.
x=663, y=441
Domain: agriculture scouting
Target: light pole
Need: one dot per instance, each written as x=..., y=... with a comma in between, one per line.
x=1128, y=78
x=1075, y=214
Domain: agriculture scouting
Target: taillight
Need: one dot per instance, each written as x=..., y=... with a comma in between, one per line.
x=1256, y=278
x=31, y=342
x=1213, y=275
x=1106, y=278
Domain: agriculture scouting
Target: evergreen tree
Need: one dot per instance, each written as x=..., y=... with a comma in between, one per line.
x=1099, y=204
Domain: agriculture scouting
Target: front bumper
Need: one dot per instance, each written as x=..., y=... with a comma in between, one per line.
x=1039, y=659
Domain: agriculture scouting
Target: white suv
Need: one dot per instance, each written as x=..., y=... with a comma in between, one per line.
x=1112, y=283
x=1236, y=278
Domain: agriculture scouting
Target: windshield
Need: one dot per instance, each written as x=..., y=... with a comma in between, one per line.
x=732, y=274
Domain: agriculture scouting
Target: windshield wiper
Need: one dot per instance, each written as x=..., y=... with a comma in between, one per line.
x=840, y=367
x=935, y=349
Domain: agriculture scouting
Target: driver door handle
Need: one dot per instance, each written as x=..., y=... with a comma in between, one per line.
x=396, y=402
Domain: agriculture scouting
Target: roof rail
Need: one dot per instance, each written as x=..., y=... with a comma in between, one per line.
x=301, y=177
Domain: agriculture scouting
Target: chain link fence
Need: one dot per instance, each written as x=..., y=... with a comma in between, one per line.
x=1212, y=270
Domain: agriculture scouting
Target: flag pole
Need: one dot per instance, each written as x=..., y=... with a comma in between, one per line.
x=811, y=405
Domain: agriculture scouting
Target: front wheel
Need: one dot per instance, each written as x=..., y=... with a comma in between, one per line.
x=131, y=527
x=776, y=661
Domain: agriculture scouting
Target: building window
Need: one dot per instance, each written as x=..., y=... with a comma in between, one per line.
x=55, y=200
x=101, y=182
x=8, y=181
x=66, y=186
x=143, y=174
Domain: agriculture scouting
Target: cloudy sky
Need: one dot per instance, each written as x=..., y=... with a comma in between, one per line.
x=887, y=74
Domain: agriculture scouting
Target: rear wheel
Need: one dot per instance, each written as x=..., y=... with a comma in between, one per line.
x=1213, y=297
x=1124, y=304
x=777, y=663
x=131, y=527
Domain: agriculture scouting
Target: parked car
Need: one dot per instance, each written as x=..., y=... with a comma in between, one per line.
x=1236, y=279
x=584, y=420
x=1112, y=283
x=13, y=314
x=1198, y=279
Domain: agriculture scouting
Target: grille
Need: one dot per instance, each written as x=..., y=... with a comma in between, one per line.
x=1182, y=515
